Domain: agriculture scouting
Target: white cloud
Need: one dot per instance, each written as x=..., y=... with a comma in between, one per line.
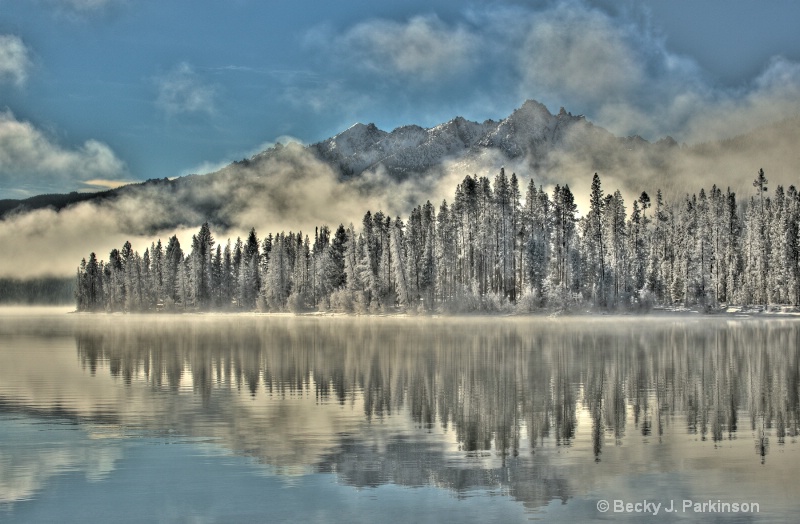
x=580, y=53
x=28, y=158
x=333, y=95
x=424, y=48
x=14, y=60
x=772, y=96
x=84, y=6
x=99, y=183
x=618, y=71
x=610, y=64
x=182, y=91
x=208, y=166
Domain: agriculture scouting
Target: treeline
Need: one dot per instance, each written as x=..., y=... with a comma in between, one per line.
x=42, y=290
x=490, y=250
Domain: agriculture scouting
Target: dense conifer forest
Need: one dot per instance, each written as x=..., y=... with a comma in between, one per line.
x=42, y=290
x=490, y=249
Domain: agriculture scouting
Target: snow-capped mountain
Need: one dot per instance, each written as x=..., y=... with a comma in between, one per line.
x=530, y=131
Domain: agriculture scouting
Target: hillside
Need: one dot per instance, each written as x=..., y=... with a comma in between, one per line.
x=531, y=135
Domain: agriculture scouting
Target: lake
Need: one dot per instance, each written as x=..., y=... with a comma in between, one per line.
x=248, y=418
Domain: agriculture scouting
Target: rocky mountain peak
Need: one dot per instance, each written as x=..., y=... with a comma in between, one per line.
x=530, y=131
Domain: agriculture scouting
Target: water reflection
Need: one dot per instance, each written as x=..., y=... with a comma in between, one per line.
x=537, y=409
x=488, y=384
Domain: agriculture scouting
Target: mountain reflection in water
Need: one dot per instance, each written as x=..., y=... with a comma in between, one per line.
x=537, y=409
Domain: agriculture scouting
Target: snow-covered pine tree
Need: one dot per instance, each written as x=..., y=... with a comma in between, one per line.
x=399, y=261
x=446, y=257
x=173, y=256
x=563, y=232
x=537, y=221
x=594, y=246
x=504, y=234
x=277, y=281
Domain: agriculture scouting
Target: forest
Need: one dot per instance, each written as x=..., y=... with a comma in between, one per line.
x=489, y=250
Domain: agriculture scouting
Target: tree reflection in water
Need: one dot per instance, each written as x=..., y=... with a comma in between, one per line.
x=487, y=381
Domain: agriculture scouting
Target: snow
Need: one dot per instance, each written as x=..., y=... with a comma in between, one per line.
x=415, y=149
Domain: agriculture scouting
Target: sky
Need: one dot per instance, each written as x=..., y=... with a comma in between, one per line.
x=95, y=93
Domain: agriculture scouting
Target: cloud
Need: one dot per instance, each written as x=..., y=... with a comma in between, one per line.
x=286, y=190
x=580, y=53
x=99, y=183
x=84, y=6
x=324, y=97
x=772, y=96
x=87, y=5
x=617, y=70
x=608, y=63
x=609, y=66
x=14, y=60
x=182, y=91
x=421, y=49
x=209, y=166
x=30, y=159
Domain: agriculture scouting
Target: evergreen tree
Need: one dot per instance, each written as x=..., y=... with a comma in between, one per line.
x=401, y=276
x=537, y=221
x=277, y=283
x=446, y=256
x=595, y=244
x=173, y=256
x=563, y=220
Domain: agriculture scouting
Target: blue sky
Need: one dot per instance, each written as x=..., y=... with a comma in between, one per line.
x=94, y=92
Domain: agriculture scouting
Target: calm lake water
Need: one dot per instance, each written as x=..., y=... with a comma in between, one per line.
x=269, y=419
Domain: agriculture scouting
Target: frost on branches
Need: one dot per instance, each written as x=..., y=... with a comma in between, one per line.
x=489, y=250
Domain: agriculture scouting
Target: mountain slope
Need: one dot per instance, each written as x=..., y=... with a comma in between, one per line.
x=553, y=148
x=530, y=131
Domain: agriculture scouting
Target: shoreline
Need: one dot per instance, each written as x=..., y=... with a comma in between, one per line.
x=734, y=312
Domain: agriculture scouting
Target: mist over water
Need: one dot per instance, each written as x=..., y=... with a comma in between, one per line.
x=534, y=410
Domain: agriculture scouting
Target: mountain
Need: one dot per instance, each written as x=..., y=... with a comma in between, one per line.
x=530, y=131
x=553, y=148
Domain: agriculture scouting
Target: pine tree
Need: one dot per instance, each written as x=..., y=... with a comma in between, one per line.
x=351, y=257
x=563, y=220
x=536, y=228
x=227, y=280
x=733, y=254
x=116, y=281
x=635, y=250
x=427, y=276
x=251, y=270
x=157, y=255
x=778, y=256
x=173, y=256
x=148, y=295
x=615, y=233
x=202, y=253
x=401, y=276
x=446, y=257
x=516, y=239
x=792, y=243
x=277, y=281
x=504, y=245
x=704, y=252
x=90, y=285
x=217, y=279
x=239, y=276
x=760, y=247
x=595, y=244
